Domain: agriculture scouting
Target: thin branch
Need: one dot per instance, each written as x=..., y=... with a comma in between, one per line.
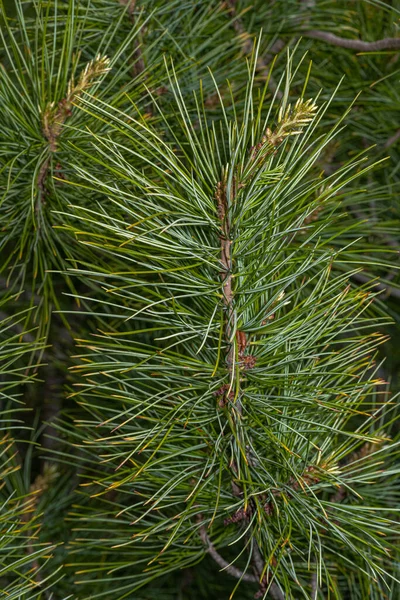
x=262, y=63
x=37, y=576
x=138, y=66
x=26, y=336
x=390, y=290
x=226, y=260
x=314, y=586
x=392, y=140
x=259, y=565
x=55, y=115
x=359, y=45
x=223, y=208
x=230, y=569
x=42, y=180
x=257, y=559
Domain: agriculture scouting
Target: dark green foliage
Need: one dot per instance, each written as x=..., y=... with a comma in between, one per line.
x=193, y=388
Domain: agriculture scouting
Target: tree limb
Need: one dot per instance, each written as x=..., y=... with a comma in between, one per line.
x=390, y=290
x=262, y=63
x=360, y=45
x=273, y=590
x=392, y=140
x=230, y=569
x=26, y=336
x=314, y=586
x=138, y=63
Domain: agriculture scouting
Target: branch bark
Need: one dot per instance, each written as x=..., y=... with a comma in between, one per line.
x=359, y=45
x=392, y=140
x=258, y=562
x=230, y=569
x=226, y=260
x=225, y=197
x=262, y=63
x=390, y=290
x=138, y=66
x=314, y=586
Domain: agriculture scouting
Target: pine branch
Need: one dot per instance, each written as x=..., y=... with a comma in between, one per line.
x=392, y=140
x=262, y=63
x=226, y=365
x=224, y=210
x=314, y=586
x=138, y=66
x=358, y=45
x=271, y=297
x=389, y=290
x=230, y=569
x=273, y=590
x=54, y=117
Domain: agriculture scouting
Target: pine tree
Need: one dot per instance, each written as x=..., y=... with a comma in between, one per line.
x=194, y=397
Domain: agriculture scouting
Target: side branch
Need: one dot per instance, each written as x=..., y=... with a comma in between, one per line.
x=314, y=586
x=226, y=273
x=230, y=569
x=262, y=63
x=55, y=115
x=138, y=66
x=382, y=287
x=259, y=565
x=392, y=140
x=360, y=45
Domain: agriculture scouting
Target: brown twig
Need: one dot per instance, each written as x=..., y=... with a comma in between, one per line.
x=392, y=140
x=390, y=290
x=55, y=115
x=37, y=576
x=314, y=586
x=39, y=485
x=138, y=63
x=259, y=565
x=246, y=362
x=26, y=336
x=230, y=569
x=359, y=45
x=226, y=261
x=262, y=63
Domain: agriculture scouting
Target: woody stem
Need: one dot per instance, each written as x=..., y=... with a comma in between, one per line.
x=230, y=569
x=225, y=198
